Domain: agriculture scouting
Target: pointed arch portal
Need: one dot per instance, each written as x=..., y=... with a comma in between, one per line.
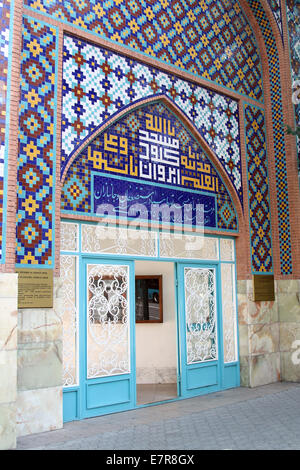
x=150, y=167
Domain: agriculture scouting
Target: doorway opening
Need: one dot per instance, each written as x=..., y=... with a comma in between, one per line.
x=180, y=342
x=156, y=332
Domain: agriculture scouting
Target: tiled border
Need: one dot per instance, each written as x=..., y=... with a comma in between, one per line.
x=6, y=21
x=279, y=140
x=37, y=147
x=258, y=191
x=12, y=135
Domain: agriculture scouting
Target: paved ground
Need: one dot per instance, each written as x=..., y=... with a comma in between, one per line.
x=266, y=417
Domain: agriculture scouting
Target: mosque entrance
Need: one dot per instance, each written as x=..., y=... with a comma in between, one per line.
x=130, y=343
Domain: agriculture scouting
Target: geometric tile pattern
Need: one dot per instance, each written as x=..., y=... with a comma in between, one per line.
x=4, y=45
x=226, y=215
x=209, y=38
x=293, y=18
x=279, y=139
x=152, y=146
x=275, y=6
x=36, y=144
x=259, y=207
x=97, y=84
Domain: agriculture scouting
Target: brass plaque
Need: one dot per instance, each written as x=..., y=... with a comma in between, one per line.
x=263, y=287
x=35, y=288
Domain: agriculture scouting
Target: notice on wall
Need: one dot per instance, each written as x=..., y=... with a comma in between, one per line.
x=263, y=287
x=35, y=288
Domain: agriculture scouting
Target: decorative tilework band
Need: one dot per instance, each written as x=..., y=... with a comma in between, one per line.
x=4, y=52
x=258, y=190
x=36, y=144
x=279, y=140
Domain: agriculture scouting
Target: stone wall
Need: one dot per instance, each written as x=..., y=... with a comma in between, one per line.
x=267, y=332
x=289, y=317
x=39, y=402
x=8, y=359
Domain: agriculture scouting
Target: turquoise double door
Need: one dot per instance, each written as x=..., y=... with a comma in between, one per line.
x=107, y=377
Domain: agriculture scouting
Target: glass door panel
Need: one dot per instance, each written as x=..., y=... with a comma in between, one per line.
x=198, y=329
x=200, y=314
x=109, y=320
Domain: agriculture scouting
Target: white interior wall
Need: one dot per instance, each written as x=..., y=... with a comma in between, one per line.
x=156, y=348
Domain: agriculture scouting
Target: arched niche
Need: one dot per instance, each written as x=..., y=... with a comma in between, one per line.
x=153, y=155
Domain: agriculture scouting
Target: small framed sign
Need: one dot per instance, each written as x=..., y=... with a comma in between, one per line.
x=148, y=299
x=35, y=288
x=263, y=287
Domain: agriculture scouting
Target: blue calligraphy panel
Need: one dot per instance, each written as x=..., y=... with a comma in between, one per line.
x=156, y=203
x=149, y=156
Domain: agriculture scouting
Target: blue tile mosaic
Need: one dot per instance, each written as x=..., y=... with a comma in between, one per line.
x=98, y=84
x=209, y=38
x=258, y=190
x=4, y=52
x=149, y=157
x=35, y=202
x=279, y=140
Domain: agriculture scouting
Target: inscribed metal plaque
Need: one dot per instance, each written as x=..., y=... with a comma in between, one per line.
x=35, y=288
x=263, y=287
